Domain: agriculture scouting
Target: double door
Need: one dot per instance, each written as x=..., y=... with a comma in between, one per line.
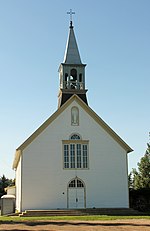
x=76, y=194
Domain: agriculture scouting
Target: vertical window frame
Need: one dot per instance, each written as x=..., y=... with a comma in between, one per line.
x=79, y=155
x=85, y=156
x=66, y=156
x=72, y=156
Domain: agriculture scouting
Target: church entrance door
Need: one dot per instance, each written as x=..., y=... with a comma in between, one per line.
x=76, y=194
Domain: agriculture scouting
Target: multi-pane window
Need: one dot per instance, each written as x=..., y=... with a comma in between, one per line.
x=66, y=156
x=85, y=157
x=75, y=137
x=76, y=183
x=75, y=153
x=72, y=184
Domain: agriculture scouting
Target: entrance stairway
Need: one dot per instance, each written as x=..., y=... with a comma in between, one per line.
x=80, y=212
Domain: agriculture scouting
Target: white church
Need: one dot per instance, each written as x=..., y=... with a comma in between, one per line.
x=74, y=159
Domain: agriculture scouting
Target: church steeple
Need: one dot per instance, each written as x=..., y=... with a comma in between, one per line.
x=72, y=55
x=71, y=71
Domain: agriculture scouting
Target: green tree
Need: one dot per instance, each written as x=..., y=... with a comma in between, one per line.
x=5, y=182
x=141, y=178
x=130, y=180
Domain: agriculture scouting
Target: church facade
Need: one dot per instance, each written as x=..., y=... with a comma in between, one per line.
x=74, y=159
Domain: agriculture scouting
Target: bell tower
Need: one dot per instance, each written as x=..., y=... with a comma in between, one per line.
x=71, y=71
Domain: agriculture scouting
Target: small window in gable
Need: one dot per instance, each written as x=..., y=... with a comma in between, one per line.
x=75, y=137
x=74, y=116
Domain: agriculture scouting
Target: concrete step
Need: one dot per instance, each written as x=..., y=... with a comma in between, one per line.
x=80, y=212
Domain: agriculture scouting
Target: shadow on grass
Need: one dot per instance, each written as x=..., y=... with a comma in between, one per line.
x=65, y=223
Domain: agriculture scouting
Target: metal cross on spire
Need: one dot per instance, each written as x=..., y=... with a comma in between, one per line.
x=71, y=13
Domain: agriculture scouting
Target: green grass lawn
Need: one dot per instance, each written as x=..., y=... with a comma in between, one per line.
x=69, y=218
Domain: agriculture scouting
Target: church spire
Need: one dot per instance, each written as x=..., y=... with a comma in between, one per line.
x=72, y=55
x=71, y=71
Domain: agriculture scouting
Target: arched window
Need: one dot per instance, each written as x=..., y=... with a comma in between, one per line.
x=79, y=184
x=72, y=184
x=73, y=74
x=75, y=137
x=76, y=183
x=73, y=79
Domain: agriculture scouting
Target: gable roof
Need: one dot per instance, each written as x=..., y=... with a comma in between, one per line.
x=56, y=114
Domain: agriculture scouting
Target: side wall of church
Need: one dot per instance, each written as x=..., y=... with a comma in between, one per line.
x=44, y=181
x=18, y=186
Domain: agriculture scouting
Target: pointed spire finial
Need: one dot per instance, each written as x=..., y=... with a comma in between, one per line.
x=71, y=13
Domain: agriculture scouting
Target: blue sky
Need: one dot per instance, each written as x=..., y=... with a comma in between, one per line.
x=114, y=41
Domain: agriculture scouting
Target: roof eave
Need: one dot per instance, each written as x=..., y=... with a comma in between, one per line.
x=17, y=158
